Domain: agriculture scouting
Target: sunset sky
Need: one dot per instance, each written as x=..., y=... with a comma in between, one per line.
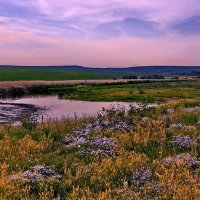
x=100, y=33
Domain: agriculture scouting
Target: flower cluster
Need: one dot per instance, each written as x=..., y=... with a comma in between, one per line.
x=183, y=159
x=184, y=142
x=179, y=126
x=36, y=174
x=142, y=176
x=155, y=189
x=104, y=147
x=105, y=143
x=111, y=118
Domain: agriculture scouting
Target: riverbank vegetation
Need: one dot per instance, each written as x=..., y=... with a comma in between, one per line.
x=139, y=153
x=146, y=91
x=141, y=92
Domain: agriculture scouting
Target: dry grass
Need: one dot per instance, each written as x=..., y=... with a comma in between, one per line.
x=147, y=146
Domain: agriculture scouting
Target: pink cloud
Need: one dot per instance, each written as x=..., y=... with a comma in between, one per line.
x=97, y=33
x=119, y=52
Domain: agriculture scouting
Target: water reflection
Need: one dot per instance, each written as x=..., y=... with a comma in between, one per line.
x=55, y=107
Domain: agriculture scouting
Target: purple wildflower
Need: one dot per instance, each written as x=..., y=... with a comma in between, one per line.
x=190, y=161
x=155, y=189
x=184, y=142
x=36, y=174
x=142, y=176
x=105, y=143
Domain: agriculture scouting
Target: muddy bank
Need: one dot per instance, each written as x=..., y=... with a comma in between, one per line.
x=11, y=112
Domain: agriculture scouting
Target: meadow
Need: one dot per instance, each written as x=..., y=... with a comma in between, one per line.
x=145, y=153
x=139, y=153
x=148, y=92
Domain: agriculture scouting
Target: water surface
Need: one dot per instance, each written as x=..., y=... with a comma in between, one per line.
x=51, y=107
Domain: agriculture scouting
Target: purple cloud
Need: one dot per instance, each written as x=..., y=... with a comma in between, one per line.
x=111, y=31
x=100, y=19
x=189, y=26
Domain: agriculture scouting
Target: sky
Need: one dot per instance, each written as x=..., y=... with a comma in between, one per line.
x=100, y=33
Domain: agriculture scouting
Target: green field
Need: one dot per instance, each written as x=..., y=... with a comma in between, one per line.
x=147, y=92
x=15, y=73
x=53, y=74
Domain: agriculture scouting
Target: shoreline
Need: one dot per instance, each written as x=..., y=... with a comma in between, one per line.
x=9, y=84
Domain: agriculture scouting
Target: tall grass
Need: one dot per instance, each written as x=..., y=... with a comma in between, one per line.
x=144, y=164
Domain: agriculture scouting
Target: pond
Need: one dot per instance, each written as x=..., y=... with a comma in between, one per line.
x=49, y=107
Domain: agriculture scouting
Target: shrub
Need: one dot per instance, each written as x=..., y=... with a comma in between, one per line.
x=37, y=136
x=28, y=121
x=1, y=136
x=19, y=133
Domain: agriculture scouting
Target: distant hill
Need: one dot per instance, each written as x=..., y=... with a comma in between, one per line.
x=140, y=69
x=74, y=72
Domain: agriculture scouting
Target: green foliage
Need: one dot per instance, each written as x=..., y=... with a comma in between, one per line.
x=56, y=136
x=37, y=136
x=189, y=118
x=18, y=133
x=138, y=92
x=190, y=104
x=1, y=136
x=29, y=121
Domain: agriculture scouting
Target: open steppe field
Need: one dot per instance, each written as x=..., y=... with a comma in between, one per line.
x=136, y=153
x=53, y=74
x=60, y=73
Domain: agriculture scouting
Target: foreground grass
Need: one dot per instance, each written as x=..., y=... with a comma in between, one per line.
x=150, y=158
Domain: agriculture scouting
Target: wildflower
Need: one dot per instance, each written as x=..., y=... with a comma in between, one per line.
x=176, y=126
x=75, y=140
x=180, y=126
x=36, y=174
x=184, y=142
x=183, y=159
x=123, y=126
x=86, y=151
x=142, y=176
x=105, y=143
x=155, y=189
x=100, y=153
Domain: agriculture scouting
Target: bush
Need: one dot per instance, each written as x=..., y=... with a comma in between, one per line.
x=29, y=121
x=20, y=133
x=37, y=136
x=130, y=77
x=1, y=136
x=154, y=76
